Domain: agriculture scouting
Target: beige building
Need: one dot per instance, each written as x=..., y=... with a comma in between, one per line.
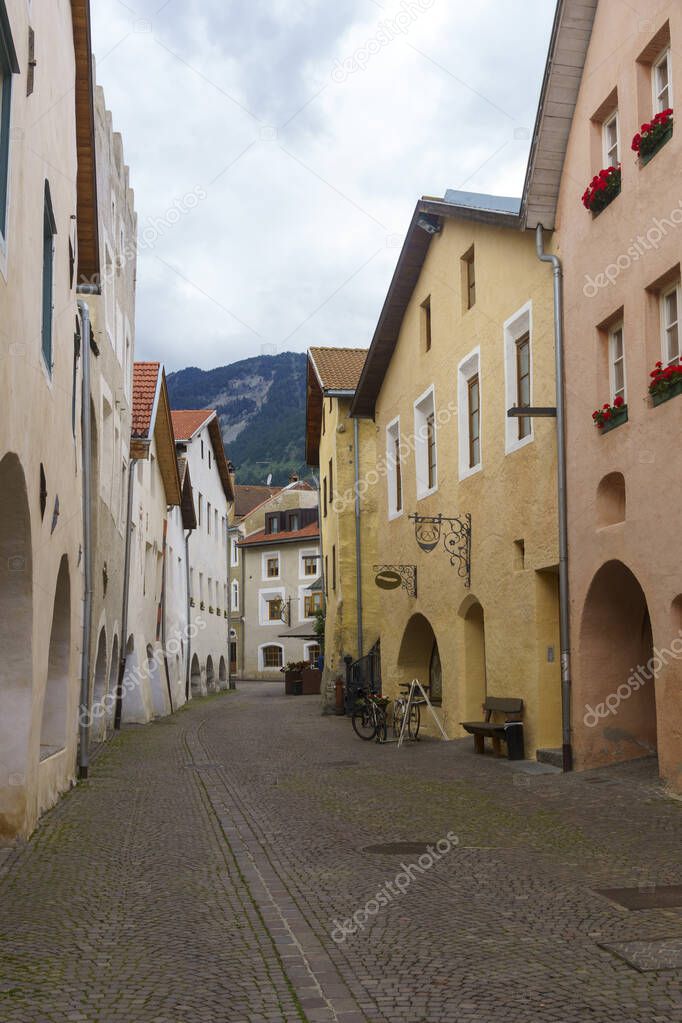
x=343, y=451
x=466, y=496
x=48, y=242
x=280, y=556
x=622, y=304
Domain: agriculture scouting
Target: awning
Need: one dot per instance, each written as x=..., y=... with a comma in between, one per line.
x=304, y=631
x=317, y=585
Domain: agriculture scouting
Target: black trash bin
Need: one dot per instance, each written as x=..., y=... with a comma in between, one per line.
x=513, y=733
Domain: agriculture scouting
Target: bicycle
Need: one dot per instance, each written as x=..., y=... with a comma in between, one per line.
x=369, y=716
x=399, y=710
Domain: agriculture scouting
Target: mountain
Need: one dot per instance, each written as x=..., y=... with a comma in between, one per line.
x=261, y=407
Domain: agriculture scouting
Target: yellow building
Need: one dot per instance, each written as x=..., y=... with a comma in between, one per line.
x=344, y=451
x=465, y=334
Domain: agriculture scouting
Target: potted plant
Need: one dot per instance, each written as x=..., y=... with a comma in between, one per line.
x=602, y=190
x=653, y=135
x=311, y=678
x=293, y=677
x=192, y=602
x=202, y=605
x=608, y=417
x=217, y=611
x=210, y=609
x=666, y=382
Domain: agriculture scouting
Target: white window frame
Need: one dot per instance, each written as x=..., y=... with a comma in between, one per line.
x=518, y=324
x=264, y=558
x=469, y=367
x=393, y=434
x=234, y=551
x=307, y=646
x=263, y=597
x=234, y=595
x=612, y=360
x=424, y=406
x=303, y=592
x=611, y=119
x=261, y=656
x=667, y=361
x=310, y=552
x=658, y=106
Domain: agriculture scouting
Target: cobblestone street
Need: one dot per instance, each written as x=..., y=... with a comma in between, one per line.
x=200, y=873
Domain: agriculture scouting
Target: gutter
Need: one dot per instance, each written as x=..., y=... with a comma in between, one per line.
x=86, y=454
x=126, y=586
x=564, y=610
x=358, y=550
x=189, y=631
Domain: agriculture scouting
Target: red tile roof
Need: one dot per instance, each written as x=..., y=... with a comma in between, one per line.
x=338, y=369
x=309, y=532
x=186, y=422
x=145, y=383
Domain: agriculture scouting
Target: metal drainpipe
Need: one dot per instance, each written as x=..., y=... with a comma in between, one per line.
x=189, y=635
x=126, y=587
x=358, y=551
x=84, y=717
x=564, y=609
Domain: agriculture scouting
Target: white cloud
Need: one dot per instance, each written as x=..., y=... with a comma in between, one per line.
x=308, y=178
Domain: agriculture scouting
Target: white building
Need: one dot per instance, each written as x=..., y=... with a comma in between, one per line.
x=199, y=441
x=178, y=636
x=151, y=687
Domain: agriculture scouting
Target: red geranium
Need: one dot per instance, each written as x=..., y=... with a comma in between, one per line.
x=650, y=134
x=603, y=187
x=664, y=377
x=606, y=413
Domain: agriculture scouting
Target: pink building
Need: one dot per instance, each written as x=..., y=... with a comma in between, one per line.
x=614, y=66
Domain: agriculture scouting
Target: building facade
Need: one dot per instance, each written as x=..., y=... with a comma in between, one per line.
x=466, y=334
x=343, y=451
x=280, y=556
x=198, y=440
x=622, y=303
x=48, y=242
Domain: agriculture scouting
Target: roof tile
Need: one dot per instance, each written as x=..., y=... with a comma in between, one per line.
x=145, y=382
x=339, y=368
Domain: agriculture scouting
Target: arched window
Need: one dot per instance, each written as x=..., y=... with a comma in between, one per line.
x=272, y=656
x=435, y=676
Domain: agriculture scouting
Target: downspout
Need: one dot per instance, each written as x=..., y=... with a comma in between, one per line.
x=189, y=631
x=358, y=552
x=126, y=587
x=84, y=717
x=564, y=609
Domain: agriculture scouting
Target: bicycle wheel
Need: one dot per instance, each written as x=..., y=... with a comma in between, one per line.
x=414, y=722
x=381, y=727
x=363, y=721
x=398, y=715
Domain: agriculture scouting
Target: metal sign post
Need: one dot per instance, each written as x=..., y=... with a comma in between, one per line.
x=417, y=687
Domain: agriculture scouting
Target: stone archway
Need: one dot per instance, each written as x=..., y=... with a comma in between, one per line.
x=195, y=677
x=158, y=691
x=55, y=700
x=615, y=701
x=419, y=656
x=16, y=643
x=210, y=675
x=98, y=719
x=475, y=676
x=222, y=673
x=113, y=683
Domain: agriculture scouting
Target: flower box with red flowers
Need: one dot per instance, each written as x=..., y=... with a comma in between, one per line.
x=608, y=417
x=666, y=382
x=602, y=190
x=652, y=136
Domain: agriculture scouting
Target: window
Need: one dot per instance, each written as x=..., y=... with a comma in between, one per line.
x=312, y=653
x=294, y=523
x=215, y=524
x=49, y=231
x=324, y=496
x=326, y=575
x=202, y=450
x=469, y=413
x=208, y=517
x=662, y=83
x=152, y=475
x=469, y=276
x=201, y=507
x=426, y=324
x=270, y=605
x=272, y=656
x=209, y=458
x=435, y=676
x=395, y=472
x=312, y=602
x=274, y=609
x=309, y=564
x=617, y=362
x=425, y=448
x=331, y=482
x=669, y=321
x=523, y=383
x=235, y=595
x=333, y=567
x=8, y=66
x=272, y=567
x=234, y=551
x=611, y=142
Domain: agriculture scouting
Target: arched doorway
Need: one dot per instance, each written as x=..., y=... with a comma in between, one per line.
x=210, y=675
x=110, y=700
x=419, y=656
x=222, y=673
x=475, y=686
x=98, y=721
x=615, y=711
x=16, y=643
x=53, y=726
x=195, y=677
x=158, y=692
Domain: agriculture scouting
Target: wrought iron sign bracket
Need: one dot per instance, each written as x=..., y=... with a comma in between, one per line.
x=455, y=533
x=285, y=612
x=393, y=577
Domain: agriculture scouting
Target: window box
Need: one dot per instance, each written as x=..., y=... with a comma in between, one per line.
x=192, y=602
x=217, y=611
x=602, y=190
x=225, y=614
x=202, y=606
x=618, y=417
x=210, y=609
x=671, y=391
x=653, y=136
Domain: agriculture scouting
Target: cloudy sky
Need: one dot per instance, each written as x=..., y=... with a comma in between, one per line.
x=277, y=150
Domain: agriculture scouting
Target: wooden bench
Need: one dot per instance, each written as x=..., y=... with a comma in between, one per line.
x=512, y=709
